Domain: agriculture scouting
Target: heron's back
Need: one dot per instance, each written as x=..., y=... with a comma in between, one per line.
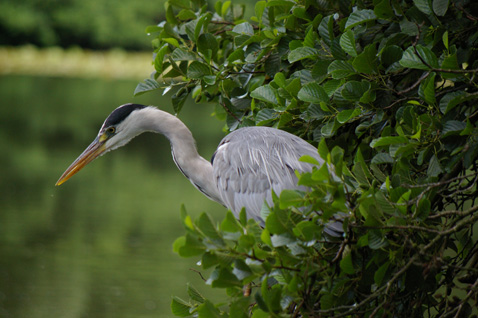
x=252, y=161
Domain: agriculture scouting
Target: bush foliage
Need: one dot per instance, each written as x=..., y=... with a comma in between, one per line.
x=388, y=91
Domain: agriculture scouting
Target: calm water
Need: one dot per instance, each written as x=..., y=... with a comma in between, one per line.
x=101, y=244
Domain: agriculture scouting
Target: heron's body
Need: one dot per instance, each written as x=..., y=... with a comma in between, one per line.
x=248, y=164
x=252, y=161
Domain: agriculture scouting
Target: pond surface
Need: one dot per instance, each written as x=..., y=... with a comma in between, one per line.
x=101, y=244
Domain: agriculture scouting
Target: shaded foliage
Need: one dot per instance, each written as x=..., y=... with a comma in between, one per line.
x=388, y=91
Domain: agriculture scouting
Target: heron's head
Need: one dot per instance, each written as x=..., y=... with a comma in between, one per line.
x=117, y=130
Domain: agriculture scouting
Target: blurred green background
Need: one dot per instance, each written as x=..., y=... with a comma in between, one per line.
x=101, y=244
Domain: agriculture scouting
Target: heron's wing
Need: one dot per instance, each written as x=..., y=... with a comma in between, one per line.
x=251, y=162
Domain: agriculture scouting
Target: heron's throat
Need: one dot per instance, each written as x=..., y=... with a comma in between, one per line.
x=183, y=147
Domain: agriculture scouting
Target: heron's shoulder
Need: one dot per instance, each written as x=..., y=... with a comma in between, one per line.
x=252, y=142
x=260, y=137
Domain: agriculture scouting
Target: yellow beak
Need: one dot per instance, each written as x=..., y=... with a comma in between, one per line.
x=95, y=149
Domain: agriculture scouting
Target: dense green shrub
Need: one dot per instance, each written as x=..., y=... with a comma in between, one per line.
x=388, y=91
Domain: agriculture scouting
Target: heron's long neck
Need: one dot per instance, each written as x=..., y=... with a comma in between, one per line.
x=183, y=147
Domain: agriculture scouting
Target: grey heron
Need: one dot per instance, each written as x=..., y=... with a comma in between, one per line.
x=247, y=166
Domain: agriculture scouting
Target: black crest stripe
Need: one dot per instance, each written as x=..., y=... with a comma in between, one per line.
x=120, y=113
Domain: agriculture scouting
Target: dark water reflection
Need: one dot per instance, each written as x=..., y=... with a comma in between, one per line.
x=100, y=245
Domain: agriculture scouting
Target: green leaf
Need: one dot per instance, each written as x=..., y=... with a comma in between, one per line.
x=272, y=296
x=265, y=93
x=258, y=313
x=326, y=29
x=237, y=55
x=197, y=70
x=359, y=17
x=426, y=91
x=410, y=58
x=348, y=114
x=445, y=39
x=340, y=69
x=178, y=243
x=241, y=270
x=331, y=86
x=376, y=240
x=207, y=45
x=259, y=9
x=279, y=79
x=230, y=223
x=383, y=10
x=423, y=209
x=389, y=140
x=451, y=100
x=440, y=7
x=190, y=28
x=192, y=247
x=158, y=60
x=278, y=222
x=434, y=168
x=186, y=14
x=453, y=127
x=290, y=198
x=194, y=294
x=354, y=90
x=207, y=310
x=205, y=224
x=323, y=149
x=224, y=278
x=202, y=24
x=147, y=86
x=183, y=4
x=244, y=28
x=382, y=157
x=408, y=27
x=278, y=240
x=313, y=93
x=294, y=87
x=366, y=62
x=309, y=40
x=225, y=8
x=180, y=307
x=450, y=62
x=336, y=50
x=423, y=6
x=240, y=308
x=391, y=54
x=170, y=17
x=346, y=264
x=280, y=3
x=309, y=159
x=380, y=273
x=347, y=43
x=469, y=128
x=301, y=53
x=265, y=116
x=179, y=99
x=180, y=54
x=328, y=130
x=171, y=41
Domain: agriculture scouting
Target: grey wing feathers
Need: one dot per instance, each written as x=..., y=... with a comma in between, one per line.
x=250, y=162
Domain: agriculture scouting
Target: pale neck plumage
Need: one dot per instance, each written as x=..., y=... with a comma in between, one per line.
x=183, y=147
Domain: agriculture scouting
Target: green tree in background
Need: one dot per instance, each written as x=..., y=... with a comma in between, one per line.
x=388, y=91
x=97, y=24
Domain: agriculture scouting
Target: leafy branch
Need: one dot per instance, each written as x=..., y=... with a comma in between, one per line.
x=387, y=92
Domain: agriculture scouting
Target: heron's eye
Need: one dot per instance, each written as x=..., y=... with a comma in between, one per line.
x=110, y=130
